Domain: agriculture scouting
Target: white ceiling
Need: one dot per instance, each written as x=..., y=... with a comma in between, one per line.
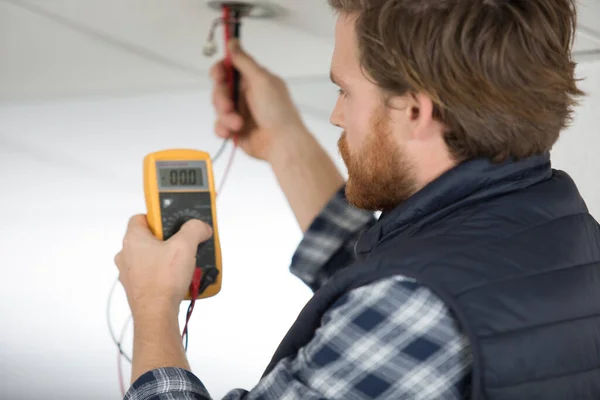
x=53, y=49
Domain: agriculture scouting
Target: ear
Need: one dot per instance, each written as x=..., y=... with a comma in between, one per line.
x=419, y=115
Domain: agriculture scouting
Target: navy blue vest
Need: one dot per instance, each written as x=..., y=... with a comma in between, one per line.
x=513, y=252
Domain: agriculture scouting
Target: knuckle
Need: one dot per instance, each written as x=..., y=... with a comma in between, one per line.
x=196, y=225
x=200, y=227
x=131, y=220
x=279, y=81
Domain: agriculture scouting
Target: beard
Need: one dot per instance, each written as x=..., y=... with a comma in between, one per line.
x=380, y=176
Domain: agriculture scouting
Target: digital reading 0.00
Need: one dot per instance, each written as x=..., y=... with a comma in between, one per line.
x=181, y=177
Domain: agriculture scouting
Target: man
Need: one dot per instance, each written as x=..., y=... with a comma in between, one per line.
x=481, y=277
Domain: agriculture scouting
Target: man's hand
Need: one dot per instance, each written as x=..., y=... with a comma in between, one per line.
x=267, y=113
x=270, y=128
x=157, y=274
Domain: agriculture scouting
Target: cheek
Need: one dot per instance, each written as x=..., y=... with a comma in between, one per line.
x=357, y=123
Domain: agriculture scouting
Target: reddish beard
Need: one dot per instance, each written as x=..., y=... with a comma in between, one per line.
x=379, y=174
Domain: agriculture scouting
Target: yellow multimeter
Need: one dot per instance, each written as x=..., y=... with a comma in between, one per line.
x=179, y=186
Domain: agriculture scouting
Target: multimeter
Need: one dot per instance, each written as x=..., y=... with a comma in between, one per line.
x=179, y=186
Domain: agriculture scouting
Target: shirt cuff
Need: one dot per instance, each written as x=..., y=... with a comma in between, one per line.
x=167, y=381
x=330, y=240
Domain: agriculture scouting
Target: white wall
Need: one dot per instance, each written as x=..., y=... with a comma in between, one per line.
x=71, y=175
x=578, y=149
x=72, y=178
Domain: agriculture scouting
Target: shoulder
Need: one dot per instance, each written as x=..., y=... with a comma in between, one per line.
x=392, y=336
x=395, y=301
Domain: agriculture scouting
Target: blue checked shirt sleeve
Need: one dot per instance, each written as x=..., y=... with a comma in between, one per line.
x=328, y=244
x=167, y=384
x=392, y=339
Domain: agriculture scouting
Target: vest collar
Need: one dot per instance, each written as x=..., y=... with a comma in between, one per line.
x=467, y=183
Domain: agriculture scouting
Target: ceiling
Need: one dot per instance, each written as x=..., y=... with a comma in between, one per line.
x=54, y=49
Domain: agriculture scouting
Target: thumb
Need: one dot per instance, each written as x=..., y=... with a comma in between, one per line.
x=193, y=232
x=243, y=61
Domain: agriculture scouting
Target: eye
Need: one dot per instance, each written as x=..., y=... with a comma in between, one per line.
x=341, y=92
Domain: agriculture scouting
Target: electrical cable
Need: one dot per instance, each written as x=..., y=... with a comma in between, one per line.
x=119, y=354
x=232, y=29
x=226, y=172
x=194, y=291
x=220, y=151
x=110, y=327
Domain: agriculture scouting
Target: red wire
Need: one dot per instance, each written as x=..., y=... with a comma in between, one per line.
x=228, y=35
x=195, y=288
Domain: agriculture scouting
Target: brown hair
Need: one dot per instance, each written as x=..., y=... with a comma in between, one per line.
x=499, y=72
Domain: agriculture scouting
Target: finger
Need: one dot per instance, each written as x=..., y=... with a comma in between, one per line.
x=232, y=122
x=217, y=72
x=221, y=99
x=221, y=131
x=243, y=61
x=192, y=233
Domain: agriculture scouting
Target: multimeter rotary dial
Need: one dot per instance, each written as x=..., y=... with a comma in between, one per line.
x=173, y=222
x=178, y=208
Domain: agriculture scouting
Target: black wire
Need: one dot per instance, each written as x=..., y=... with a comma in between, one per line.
x=236, y=74
x=221, y=150
x=110, y=328
x=187, y=325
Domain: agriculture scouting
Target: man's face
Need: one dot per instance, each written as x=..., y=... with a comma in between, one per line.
x=380, y=174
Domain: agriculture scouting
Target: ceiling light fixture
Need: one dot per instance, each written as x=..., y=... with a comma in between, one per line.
x=243, y=9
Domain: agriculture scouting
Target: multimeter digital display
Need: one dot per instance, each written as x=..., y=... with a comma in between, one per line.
x=174, y=177
x=179, y=186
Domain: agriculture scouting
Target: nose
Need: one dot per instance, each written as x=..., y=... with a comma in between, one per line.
x=337, y=115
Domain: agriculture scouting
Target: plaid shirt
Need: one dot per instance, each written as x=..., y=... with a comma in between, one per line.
x=391, y=339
